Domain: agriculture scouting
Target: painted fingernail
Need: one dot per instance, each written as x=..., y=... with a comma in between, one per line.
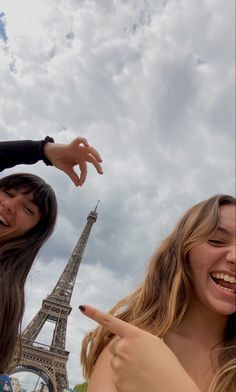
x=82, y=308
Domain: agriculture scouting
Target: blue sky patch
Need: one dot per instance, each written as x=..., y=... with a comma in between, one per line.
x=3, y=34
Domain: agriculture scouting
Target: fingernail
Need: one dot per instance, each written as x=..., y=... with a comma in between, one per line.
x=82, y=308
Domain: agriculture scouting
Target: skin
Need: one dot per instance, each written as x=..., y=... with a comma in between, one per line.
x=14, y=208
x=19, y=212
x=77, y=153
x=133, y=368
x=203, y=326
x=136, y=361
x=217, y=255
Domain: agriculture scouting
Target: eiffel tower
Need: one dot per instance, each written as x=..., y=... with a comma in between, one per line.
x=49, y=362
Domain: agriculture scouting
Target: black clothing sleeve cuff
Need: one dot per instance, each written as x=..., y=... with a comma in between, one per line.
x=23, y=152
x=42, y=144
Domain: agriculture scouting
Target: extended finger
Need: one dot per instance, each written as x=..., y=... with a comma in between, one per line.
x=90, y=158
x=94, y=152
x=81, y=140
x=113, y=324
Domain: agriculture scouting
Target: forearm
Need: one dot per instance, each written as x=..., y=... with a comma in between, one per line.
x=27, y=152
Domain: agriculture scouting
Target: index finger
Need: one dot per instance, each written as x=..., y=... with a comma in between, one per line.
x=113, y=324
x=90, y=149
x=90, y=158
x=96, y=154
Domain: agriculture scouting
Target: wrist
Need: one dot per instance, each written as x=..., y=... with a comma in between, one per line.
x=45, y=147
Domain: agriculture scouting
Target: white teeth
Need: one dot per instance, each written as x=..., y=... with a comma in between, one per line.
x=227, y=289
x=225, y=277
x=3, y=220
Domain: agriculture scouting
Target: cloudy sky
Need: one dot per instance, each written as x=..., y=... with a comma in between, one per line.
x=149, y=83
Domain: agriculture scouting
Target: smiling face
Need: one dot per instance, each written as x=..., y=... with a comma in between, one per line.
x=213, y=266
x=18, y=213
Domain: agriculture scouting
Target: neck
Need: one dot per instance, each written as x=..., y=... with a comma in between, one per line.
x=202, y=324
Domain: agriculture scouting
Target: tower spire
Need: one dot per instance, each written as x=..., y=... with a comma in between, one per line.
x=49, y=362
x=62, y=292
x=95, y=209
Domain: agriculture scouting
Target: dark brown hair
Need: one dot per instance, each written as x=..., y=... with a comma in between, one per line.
x=16, y=259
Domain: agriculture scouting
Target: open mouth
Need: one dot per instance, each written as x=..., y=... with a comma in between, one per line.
x=226, y=282
x=3, y=222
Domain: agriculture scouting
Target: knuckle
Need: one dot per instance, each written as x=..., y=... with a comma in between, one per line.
x=123, y=346
x=115, y=363
x=106, y=321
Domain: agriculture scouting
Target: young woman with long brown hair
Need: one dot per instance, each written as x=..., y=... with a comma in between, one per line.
x=28, y=210
x=184, y=311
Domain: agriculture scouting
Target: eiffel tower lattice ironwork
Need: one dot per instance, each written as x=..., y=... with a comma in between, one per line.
x=49, y=362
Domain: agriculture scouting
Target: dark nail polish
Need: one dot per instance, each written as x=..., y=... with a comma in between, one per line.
x=82, y=308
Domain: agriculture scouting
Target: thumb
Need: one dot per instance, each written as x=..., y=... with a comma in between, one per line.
x=113, y=324
x=73, y=176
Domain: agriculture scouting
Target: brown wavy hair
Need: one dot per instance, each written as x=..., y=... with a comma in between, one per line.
x=16, y=259
x=161, y=301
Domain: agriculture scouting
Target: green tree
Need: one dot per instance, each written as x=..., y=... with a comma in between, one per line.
x=81, y=387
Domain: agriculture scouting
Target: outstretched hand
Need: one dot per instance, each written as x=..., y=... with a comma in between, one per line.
x=141, y=361
x=66, y=156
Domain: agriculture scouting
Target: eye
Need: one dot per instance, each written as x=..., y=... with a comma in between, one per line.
x=217, y=242
x=8, y=193
x=28, y=210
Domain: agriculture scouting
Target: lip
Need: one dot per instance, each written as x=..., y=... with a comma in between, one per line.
x=224, y=293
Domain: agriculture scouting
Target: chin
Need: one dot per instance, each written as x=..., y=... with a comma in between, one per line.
x=224, y=309
x=228, y=312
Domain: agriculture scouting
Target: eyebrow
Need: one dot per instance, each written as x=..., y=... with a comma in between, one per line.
x=222, y=229
x=26, y=193
x=33, y=204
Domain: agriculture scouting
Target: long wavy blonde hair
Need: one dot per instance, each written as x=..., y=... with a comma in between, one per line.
x=161, y=301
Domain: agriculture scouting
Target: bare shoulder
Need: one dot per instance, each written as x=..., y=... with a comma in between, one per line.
x=102, y=377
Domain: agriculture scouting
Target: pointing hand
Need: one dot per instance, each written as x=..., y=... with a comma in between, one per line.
x=141, y=361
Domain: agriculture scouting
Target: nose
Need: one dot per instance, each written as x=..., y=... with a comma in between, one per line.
x=10, y=204
x=231, y=254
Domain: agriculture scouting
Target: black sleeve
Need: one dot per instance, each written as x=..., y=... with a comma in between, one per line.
x=22, y=152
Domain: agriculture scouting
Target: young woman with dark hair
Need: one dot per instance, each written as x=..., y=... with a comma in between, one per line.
x=28, y=211
x=178, y=328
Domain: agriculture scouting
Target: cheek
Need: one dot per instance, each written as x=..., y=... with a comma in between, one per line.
x=32, y=224
x=26, y=222
x=193, y=262
x=198, y=267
